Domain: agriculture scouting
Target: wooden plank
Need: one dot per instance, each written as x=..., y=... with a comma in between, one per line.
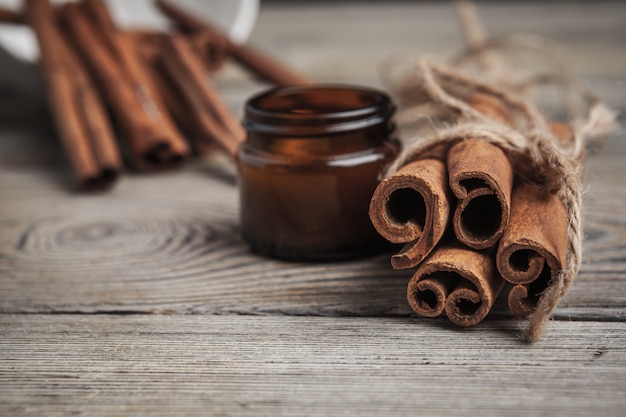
x=147, y=248
x=169, y=242
x=269, y=366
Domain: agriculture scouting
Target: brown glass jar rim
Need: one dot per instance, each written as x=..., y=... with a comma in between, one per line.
x=269, y=111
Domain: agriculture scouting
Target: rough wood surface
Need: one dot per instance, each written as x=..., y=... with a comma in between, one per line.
x=269, y=366
x=141, y=249
x=133, y=302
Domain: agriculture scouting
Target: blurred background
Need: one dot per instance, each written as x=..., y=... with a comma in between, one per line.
x=346, y=41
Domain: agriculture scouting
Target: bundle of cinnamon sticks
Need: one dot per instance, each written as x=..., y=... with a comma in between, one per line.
x=150, y=90
x=472, y=226
x=486, y=195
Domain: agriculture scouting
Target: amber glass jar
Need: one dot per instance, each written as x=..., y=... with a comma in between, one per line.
x=309, y=167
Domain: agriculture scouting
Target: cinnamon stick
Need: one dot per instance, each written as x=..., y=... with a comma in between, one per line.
x=209, y=110
x=533, y=248
x=147, y=42
x=137, y=71
x=412, y=207
x=264, y=66
x=78, y=111
x=481, y=177
x=461, y=281
x=150, y=48
x=152, y=139
x=212, y=50
x=427, y=293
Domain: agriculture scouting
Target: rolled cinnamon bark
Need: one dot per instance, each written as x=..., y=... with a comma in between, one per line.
x=259, y=63
x=412, y=207
x=126, y=51
x=153, y=142
x=461, y=281
x=150, y=46
x=481, y=177
x=208, y=108
x=77, y=108
x=213, y=50
x=428, y=291
x=534, y=246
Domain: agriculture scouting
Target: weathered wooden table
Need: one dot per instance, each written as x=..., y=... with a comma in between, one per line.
x=145, y=300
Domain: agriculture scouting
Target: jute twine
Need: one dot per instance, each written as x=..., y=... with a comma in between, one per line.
x=434, y=115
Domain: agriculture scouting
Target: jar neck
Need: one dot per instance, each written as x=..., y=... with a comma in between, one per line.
x=321, y=118
x=322, y=145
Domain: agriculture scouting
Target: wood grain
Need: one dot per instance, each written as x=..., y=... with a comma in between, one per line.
x=146, y=301
x=273, y=366
x=145, y=250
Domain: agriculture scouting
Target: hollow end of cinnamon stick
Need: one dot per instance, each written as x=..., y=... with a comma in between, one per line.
x=427, y=293
x=469, y=303
x=467, y=278
x=478, y=218
x=481, y=177
x=403, y=215
x=412, y=207
x=524, y=298
x=536, y=238
x=521, y=263
x=533, y=249
x=464, y=306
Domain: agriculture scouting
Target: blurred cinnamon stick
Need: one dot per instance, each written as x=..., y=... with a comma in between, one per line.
x=138, y=74
x=259, y=63
x=208, y=108
x=77, y=108
x=152, y=141
x=212, y=50
x=150, y=46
